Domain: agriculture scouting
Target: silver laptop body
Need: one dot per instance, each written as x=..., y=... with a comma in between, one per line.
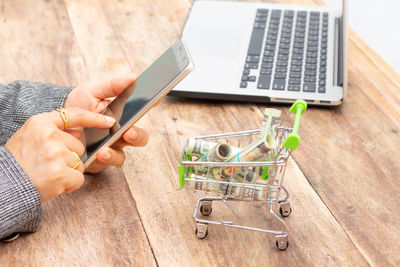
x=252, y=52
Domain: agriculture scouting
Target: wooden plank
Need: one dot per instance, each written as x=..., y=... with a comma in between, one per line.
x=38, y=44
x=166, y=212
x=349, y=156
x=99, y=223
x=96, y=225
x=355, y=161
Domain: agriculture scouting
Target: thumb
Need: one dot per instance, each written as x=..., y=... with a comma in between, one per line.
x=76, y=117
x=111, y=88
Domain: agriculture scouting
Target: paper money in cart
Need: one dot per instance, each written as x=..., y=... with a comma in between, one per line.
x=242, y=166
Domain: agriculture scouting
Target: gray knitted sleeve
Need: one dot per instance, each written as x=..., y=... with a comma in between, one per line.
x=21, y=100
x=20, y=204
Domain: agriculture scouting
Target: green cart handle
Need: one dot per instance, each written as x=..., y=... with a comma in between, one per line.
x=293, y=139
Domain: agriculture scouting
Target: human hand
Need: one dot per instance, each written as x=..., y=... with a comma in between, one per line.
x=96, y=97
x=45, y=151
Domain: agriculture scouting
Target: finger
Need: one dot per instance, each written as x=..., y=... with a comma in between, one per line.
x=73, y=161
x=110, y=156
x=111, y=88
x=74, y=180
x=135, y=136
x=76, y=132
x=96, y=167
x=158, y=102
x=72, y=144
x=80, y=117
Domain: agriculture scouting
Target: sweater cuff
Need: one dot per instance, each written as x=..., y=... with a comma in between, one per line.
x=20, y=203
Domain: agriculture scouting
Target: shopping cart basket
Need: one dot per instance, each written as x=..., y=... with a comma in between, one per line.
x=267, y=188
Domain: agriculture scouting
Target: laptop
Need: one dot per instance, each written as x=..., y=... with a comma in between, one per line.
x=266, y=52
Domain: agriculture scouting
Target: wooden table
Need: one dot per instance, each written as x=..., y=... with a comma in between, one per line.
x=344, y=177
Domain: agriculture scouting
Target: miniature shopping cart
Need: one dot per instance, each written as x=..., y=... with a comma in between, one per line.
x=267, y=188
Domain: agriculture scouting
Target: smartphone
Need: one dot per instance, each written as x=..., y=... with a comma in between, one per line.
x=152, y=85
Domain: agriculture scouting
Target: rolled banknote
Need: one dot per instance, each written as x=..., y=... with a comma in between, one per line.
x=199, y=147
x=204, y=184
x=270, y=122
x=210, y=184
x=253, y=152
x=220, y=152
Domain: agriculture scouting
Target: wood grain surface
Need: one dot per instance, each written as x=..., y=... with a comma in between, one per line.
x=97, y=225
x=343, y=177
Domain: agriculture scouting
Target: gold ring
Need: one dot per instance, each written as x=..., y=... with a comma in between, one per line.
x=10, y=238
x=120, y=165
x=64, y=116
x=78, y=161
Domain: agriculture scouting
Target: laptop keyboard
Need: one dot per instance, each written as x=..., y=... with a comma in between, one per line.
x=294, y=54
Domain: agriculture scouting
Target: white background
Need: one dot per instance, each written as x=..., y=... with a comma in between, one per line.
x=377, y=22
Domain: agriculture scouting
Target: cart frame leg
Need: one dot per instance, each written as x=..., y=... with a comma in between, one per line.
x=202, y=224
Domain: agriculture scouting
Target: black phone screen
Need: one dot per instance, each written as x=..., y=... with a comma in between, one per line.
x=134, y=98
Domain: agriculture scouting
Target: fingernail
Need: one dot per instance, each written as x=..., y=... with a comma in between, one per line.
x=133, y=135
x=110, y=119
x=107, y=156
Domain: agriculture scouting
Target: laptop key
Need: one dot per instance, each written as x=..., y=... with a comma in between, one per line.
x=246, y=72
x=283, y=51
x=259, y=25
x=280, y=75
x=295, y=75
x=297, y=62
x=295, y=68
x=264, y=81
x=262, y=10
x=294, y=81
x=321, y=89
x=267, y=65
x=282, y=63
x=283, y=57
x=297, y=56
x=251, y=66
x=252, y=59
x=301, y=13
x=268, y=59
x=289, y=13
x=294, y=87
x=269, y=53
x=311, y=66
x=310, y=72
x=269, y=48
x=310, y=79
x=284, y=46
x=252, y=78
x=245, y=78
x=276, y=13
x=280, y=69
x=266, y=71
x=243, y=84
x=279, y=84
x=308, y=87
x=256, y=41
x=298, y=45
x=311, y=60
x=261, y=19
x=285, y=40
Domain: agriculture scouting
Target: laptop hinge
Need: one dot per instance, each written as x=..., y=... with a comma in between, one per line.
x=338, y=57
